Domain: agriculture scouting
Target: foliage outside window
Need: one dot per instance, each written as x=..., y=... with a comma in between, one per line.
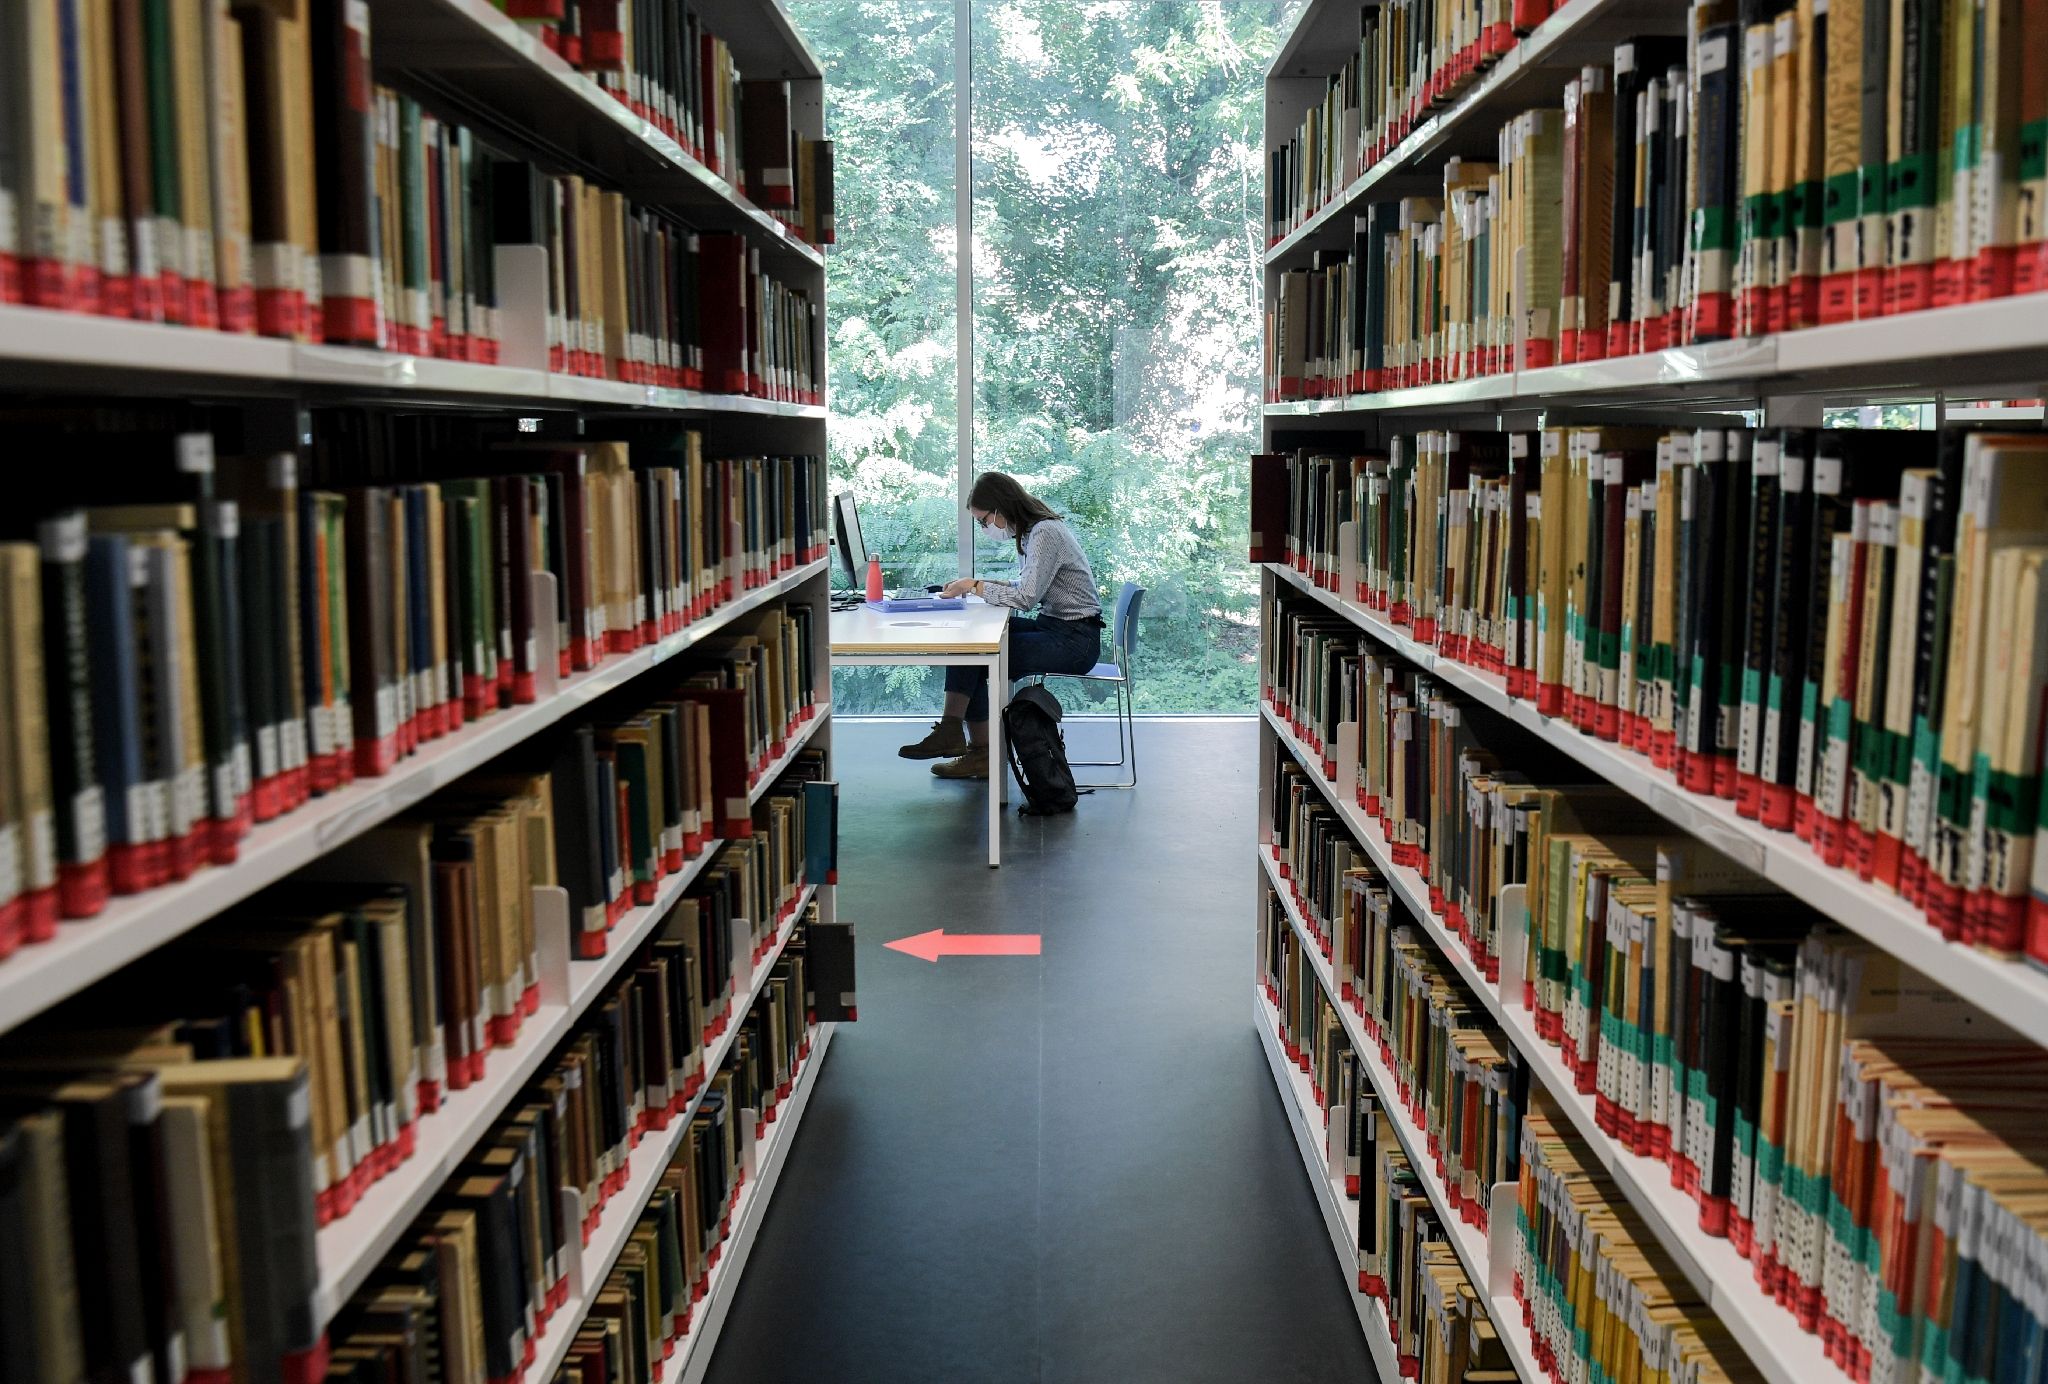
x=1118, y=235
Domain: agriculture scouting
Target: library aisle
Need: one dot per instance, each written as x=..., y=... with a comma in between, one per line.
x=1065, y=1167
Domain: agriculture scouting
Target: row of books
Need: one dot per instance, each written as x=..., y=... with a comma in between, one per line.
x=634, y=296
x=1683, y=1336
x=233, y=641
x=648, y=1304
x=1413, y=57
x=216, y=166
x=656, y=58
x=480, y=1280
x=1786, y=164
x=1834, y=629
x=397, y=965
x=1437, y=1320
x=1475, y=1095
x=1457, y=1077
x=170, y=1168
x=1709, y=1017
x=1596, y=1289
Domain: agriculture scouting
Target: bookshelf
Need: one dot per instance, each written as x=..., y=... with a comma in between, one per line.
x=474, y=51
x=1989, y=350
x=471, y=65
x=1950, y=355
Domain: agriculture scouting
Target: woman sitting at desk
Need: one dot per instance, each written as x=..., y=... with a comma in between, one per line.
x=1064, y=637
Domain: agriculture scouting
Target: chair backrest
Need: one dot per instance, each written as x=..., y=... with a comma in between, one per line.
x=1124, y=631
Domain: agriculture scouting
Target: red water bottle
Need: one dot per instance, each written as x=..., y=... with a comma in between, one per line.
x=874, y=579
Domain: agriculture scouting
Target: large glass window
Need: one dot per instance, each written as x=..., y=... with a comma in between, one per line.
x=1117, y=182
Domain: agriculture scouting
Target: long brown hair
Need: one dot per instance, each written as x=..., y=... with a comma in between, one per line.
x=998, y=494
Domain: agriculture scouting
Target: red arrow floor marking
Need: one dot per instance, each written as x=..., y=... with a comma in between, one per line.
x=930, y=946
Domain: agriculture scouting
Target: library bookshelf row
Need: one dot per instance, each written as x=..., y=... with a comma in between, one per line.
x=1474, y=1247
x=764, y=1160
x=1718, y=1274
x=1533, y=72
x=472, y=48
x=1988, y=350
x=1995, y=350
x=467, y=63
x=352, y=1246
x=47, y=349
x=1305, y=1118
x=86, y=950
x=2012, y=993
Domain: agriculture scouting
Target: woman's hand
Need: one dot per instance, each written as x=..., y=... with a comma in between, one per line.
x=960, y=587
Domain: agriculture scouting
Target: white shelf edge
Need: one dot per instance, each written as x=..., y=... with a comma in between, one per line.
x=1971, y=331
x=646, y=1164
x=2011, y=992
x=1329, y=1193
x=693, y=1354
x=1767, y=1333
x=85, y=950
x=45, y=336
x=1467, y=1240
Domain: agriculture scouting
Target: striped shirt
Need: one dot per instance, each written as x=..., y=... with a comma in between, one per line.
x=1054, y=574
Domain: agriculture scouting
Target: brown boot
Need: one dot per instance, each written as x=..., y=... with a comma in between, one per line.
x=948, y=738
x=972, y=765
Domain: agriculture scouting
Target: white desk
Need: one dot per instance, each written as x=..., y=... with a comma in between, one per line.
x=977, y=637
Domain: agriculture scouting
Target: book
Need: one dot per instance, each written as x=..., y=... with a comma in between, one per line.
x=1813, y=660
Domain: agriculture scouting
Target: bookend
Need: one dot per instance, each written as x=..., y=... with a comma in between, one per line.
x=547, y=640
x=522, y=272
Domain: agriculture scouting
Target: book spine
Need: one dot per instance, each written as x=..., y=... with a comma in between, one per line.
x=83, y=883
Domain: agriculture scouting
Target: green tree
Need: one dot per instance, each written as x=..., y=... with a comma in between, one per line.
x=1117, y=220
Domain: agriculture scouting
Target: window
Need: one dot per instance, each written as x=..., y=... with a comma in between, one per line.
x=1118, y=232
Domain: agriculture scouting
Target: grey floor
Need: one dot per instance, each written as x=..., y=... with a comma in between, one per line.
x=1069, y=1167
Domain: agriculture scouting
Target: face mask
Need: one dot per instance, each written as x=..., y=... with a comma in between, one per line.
x=996, y=532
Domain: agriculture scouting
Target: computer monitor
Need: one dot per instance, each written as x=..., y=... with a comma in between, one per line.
x=853, y=552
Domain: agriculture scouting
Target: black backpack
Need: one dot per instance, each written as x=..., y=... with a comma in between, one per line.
x=1038, y=752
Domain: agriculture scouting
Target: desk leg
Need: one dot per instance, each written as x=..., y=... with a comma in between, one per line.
x=998, y=762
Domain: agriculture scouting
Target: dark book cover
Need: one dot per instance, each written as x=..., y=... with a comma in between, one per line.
x=1790, y=607
x=1270, y=476
x=1759, y=595
x=344, y=142
x=107, y=1252
x=1732, y=494
x=453, y=858
x=223, y=681
x=117, y=712
x=420, y=577
x=766, y=136
x=19, y=1356
x=723, y=324
x=83, y=885
x=1701, y=588
x=729, y=768
x=580, y=866
x=1714, y=217
x=372, y=640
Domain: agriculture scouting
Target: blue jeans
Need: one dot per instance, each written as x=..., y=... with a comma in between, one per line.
x=1038, y=644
